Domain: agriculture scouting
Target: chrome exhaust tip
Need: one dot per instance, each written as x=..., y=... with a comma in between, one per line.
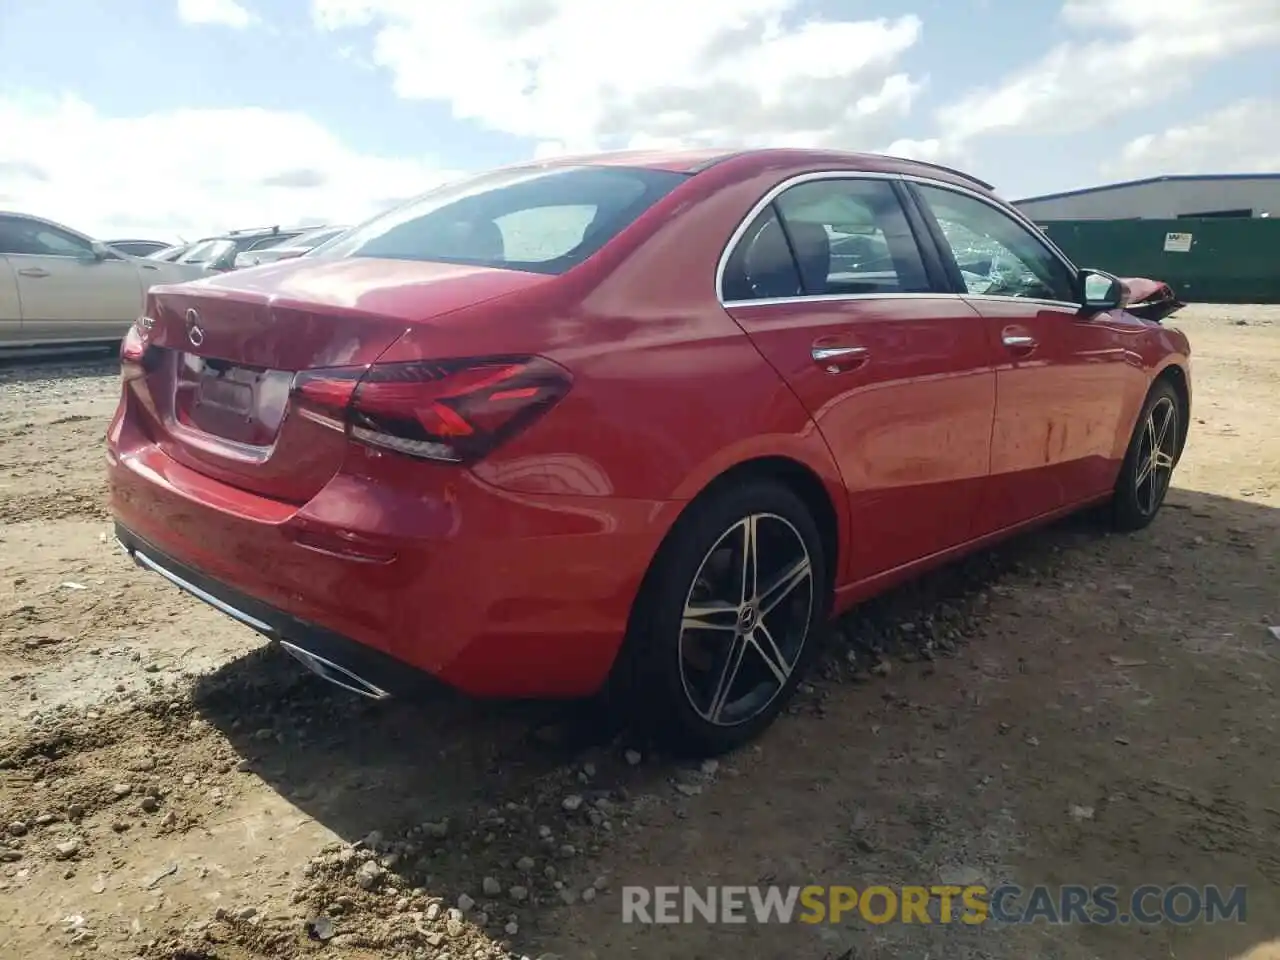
x=330, y=671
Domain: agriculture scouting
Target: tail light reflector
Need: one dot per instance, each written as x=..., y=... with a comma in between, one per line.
x=454, y=411
x=137, y=356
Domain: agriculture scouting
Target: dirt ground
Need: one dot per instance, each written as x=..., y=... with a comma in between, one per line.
x=1075, y=707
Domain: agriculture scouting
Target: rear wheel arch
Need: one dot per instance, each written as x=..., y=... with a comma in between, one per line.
x=641, y=681
x=798, y=477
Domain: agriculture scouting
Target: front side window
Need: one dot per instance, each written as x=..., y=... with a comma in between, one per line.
x=33, y=238
x=997, y=256
x=837, y=237
x=544, y=220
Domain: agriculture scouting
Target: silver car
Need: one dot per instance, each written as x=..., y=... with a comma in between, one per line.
x=288, y=249
x=58, y=286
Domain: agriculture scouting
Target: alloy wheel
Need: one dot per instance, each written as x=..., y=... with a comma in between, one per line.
x=746, y=619
x=1157, y=448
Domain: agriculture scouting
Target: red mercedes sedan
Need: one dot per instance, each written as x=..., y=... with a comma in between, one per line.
x=634, y=423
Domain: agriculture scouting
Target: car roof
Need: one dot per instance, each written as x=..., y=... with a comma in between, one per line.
x=758, y=160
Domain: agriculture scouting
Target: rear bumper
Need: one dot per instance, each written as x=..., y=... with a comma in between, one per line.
x=387, y=574
x=337, y=659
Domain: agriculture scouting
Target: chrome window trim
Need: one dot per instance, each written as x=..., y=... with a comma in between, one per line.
x=997, y=298
x=943, y=295
x=840, y=298
x=778, y=189
x=45, y=256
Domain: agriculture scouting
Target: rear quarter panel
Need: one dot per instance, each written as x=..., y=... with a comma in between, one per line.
x=668, y=391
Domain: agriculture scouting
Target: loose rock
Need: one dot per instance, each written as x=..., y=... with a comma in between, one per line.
x=67, y=848
x=320, y=928
x=369, y=876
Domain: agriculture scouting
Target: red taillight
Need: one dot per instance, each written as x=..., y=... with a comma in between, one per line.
x=137, y=357
x=451, y=410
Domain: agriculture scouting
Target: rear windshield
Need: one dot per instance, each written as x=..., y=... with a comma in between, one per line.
x=541, y=221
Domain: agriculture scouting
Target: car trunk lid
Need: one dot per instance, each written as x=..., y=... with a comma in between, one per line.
x=232, y=345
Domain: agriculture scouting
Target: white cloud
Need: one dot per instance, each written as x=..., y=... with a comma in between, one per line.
x=188, y=172
x=225, y=13
x=579, y=75
x=1241, y=138
x=1148, y=51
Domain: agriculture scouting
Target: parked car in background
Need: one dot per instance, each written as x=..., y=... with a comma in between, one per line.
x=58, y=285
x=172, y=253
x=288, y=249
x=620, y=423
x=138, y=248
x=218, y=254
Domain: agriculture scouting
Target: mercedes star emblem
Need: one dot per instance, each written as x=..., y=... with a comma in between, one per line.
x=195, y=333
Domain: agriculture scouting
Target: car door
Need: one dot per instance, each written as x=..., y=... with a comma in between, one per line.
x=1064, y=378
x=896, y=372
x=67, y=290
x=10, y=306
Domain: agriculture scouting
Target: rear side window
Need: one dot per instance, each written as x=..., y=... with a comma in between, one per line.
x=540, y=221
x=761, y=266
x=836, y=237
x=852, y=237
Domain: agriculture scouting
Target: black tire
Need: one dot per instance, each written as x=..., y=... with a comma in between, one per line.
x=1135, y=502
x=660, y=680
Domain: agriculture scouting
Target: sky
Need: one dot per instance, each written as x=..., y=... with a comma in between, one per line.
x=177, y=118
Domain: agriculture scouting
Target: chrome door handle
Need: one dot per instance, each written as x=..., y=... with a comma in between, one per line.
x=1018, y=340
x=33, y=272
x=839, y=359
x=824, y=354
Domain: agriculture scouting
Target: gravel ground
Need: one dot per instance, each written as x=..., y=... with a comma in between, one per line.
x=1074, y=707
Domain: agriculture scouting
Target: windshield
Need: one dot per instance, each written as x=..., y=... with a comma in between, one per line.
x=168, y=253
x=262, y=243
x=542, y=220
x=207, y=251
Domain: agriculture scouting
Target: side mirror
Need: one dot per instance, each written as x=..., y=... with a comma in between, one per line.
x=1101, y=291
x=102, y=252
